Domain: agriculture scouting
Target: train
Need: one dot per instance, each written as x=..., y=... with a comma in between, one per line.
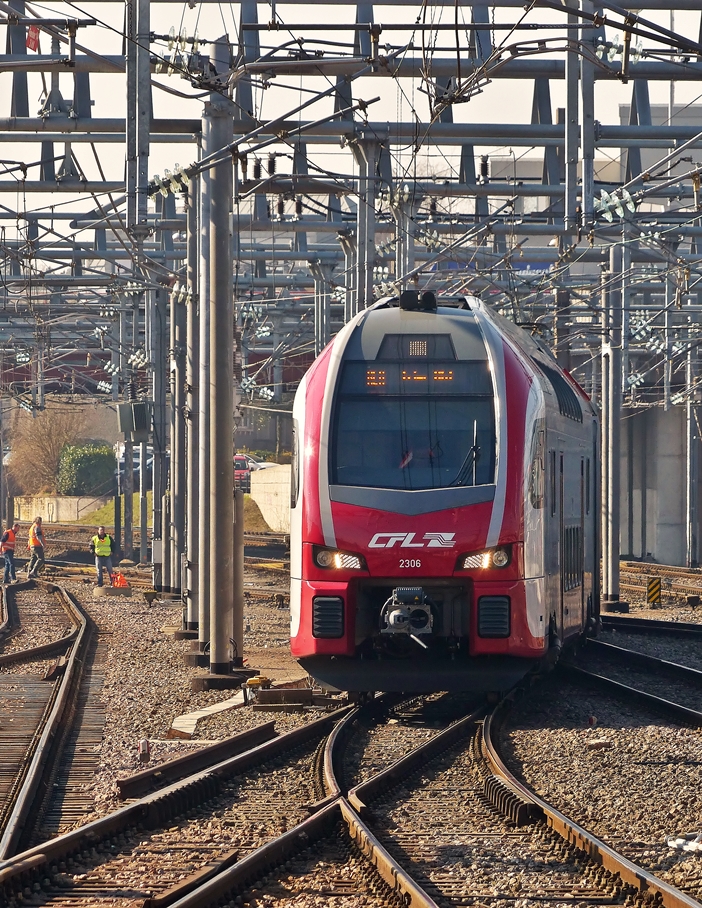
x=444, y=502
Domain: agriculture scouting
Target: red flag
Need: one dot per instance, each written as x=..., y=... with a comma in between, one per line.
x=33, y=37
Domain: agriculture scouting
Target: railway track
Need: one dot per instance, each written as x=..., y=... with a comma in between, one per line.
x=676, y=582
x=43, y=623
x=406, y=802
x=445, y=824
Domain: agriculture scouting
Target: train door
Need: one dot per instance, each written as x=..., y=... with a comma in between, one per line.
x=562, y=547
x=583, y=509
x=571, y=540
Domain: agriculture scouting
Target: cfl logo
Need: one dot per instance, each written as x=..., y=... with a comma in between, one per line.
x=406, y=541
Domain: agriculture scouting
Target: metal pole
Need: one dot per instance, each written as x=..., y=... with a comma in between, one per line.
x=691, y=415
x=166, y=542
x=143, y=126
x=192, y=405
x=572, y=139
x=157, y=342
x=203, y=525
x=605, y=415
x=366, y=154
x=143, y=503
x=221, y=388
x=587, y=123
x=178, y=471
x=615, y=404
x=238, y=610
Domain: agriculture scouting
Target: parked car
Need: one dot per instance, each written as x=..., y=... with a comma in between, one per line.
x=242, y=473
x=258, y=464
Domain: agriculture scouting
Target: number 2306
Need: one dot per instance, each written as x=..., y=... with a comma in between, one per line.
x=410, y=562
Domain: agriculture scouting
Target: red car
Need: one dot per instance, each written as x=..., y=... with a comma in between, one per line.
x=242, y=473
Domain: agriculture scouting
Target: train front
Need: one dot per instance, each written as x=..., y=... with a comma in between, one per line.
x=407, y=500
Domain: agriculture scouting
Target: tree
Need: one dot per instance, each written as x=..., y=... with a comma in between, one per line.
x=86, y=470
x=37, y=441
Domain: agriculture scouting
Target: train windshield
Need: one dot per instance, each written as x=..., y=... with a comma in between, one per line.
x=397, y=426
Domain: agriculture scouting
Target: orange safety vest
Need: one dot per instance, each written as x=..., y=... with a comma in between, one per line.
x=35, y=540
x=9, y=544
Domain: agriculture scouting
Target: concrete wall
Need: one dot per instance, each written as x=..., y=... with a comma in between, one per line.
x=653, y=482
x=270, y=489
x=57, y=508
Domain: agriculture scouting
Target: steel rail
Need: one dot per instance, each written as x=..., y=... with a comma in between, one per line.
x=572, y=832
x=584, y=676
x=644, y=660
x=174, y=770
x=48, y=735
x=651, y=625
x=158, y=807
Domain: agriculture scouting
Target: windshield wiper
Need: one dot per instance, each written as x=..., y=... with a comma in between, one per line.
x=467, y=466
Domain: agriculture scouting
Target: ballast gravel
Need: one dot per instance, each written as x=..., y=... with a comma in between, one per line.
x=623, y=773
x=147, y=685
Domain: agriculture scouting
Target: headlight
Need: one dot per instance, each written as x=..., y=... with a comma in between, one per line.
x=337, y=560
x=490, y=558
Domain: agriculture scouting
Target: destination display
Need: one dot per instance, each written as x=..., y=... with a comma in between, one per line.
x=403, y=378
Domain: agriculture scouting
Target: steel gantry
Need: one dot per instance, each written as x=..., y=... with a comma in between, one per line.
x=515, y=151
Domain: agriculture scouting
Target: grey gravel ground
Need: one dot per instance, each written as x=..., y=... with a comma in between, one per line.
x=627, y=775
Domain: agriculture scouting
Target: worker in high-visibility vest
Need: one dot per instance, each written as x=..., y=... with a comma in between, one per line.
x=7, y=548
x=102, y=546
x=35, y=544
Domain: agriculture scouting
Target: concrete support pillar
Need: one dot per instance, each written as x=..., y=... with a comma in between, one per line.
x=192, y=406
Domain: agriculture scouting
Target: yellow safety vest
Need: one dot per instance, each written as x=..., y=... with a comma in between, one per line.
x=102, y=546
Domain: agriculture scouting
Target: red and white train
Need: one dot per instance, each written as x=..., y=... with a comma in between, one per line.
x=444, y=513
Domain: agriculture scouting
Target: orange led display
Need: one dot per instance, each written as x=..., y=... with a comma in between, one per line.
x=375, y=378
x=443, y=375
x=413, y=375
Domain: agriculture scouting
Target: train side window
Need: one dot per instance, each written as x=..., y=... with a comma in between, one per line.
x=295, y=465
x=552, y=481
x=536, y=467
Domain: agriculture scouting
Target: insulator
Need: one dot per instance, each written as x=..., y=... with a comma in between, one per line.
x=298, y=206
x=131, y=390
x=484, y=167
x=257, y=169
x=271, y=164
x=432, y=208
x=281, y=206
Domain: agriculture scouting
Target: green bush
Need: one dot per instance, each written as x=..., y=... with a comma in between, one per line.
x=86, y=470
